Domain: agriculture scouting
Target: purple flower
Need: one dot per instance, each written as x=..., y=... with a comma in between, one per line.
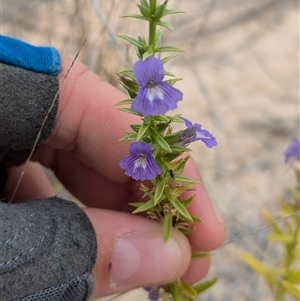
x=154, y=96
x=140, y=164
x=293, y=150
x=153, y=292
x=194, y=132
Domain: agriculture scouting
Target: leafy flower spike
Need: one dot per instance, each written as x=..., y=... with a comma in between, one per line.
x=293, y=150
x=140, y=164
x=195, y=132
x=154, y=96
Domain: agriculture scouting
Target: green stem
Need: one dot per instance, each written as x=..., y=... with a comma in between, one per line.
x=152, y=26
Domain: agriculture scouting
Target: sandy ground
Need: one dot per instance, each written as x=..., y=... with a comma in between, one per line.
x=240, y=81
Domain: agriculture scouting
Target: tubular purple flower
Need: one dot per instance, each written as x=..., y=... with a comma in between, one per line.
x=153, y=292
x=293, y=150
x=195, y=132
x=154, y=96
x=140, y=164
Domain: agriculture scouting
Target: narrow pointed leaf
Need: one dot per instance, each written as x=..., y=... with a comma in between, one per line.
x=168, y=49
x=144, y=207
x=294, y=276
x=144, y=11
x=187, y=180
x=168, y=58
x=142, y=130
x=196, y=219
x=167, y=226
x=135, y=16
x=144, y=3
x=257, y=266
x=172, y=11
x=131, y=40
x=200, y=255
x=165, y=24
x=181, y=209
x=204, y=285
x=188, y=290
x=124, y=102
x=128, y=110
x=291, y=288
x=129, y=137
x=163, y=144
x=146, y=55
x=135, y=127
x=137, y=204
x=168, y=73
x=173, y=81
x=284, y=238
x=159, y=191
x=186, y=202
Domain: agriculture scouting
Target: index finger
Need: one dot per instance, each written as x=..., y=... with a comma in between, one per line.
x=88, y=125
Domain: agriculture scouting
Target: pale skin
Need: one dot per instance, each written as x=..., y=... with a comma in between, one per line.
x=84, y=151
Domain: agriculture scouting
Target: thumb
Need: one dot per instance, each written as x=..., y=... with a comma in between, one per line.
x=132, y=252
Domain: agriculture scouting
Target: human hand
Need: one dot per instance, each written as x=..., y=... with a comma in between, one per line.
x=84, y=151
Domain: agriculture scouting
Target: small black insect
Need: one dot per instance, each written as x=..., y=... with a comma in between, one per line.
x=171, y=172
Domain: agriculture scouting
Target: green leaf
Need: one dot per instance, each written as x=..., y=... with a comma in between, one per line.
x=131, y=40
x=135, y=16
x=158, y=195
x=146, y=55
x=167, y=226
x=165, y=24
x=167, y=73
x=172, y=11
x=144, y=11
x=145, y=206
x=144, y=3
x=196, y=219
x=131, y=136
x=291, y=288
x=168, y=58
x=163, y=143
x=200, y=255
x=168, y=49
x=135, y=127
x=124, y=102
x=142, y=130
x=136, y=204
x=186, y=202
x=187, y=180
x=257, y=266
x=181, y=164
x=188, y=290
x=181, y=209
x=160, y=10
x=158, y=35
x=285, y=238
x=204, y=285
x=130, y=111
x=173, y=81
x=293, y=276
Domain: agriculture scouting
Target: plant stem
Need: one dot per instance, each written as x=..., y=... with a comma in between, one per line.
x=152, y=27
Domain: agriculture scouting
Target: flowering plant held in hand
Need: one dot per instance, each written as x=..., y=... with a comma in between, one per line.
x=156, y=153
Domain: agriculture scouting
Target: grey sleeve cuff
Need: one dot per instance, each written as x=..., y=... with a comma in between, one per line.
x=25, y=98
x=48, y=249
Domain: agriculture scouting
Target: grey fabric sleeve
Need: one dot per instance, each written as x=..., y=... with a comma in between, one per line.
x=47, y=251
x=25, y=98
x=47, y=247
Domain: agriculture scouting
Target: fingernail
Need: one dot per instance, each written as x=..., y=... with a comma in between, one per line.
x=143, y=257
